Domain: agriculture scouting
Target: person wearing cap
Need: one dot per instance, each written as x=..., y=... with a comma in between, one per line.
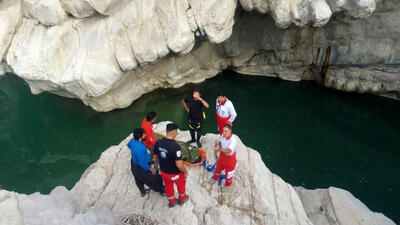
x=194, y=107
x=227, y=158
x=169, y=156
x=225, y=111
x=142, y=167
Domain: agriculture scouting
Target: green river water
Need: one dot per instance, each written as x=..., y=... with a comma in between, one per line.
x=309, y=135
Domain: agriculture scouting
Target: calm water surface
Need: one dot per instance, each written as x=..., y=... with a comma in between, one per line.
x=309, y=135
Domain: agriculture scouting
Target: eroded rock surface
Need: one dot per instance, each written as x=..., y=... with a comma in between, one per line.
x=107, y=194
x=10, y=15
x=337, y=206
x=109, y=53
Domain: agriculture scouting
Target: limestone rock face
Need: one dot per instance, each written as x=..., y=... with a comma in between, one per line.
x=107, y=194
x=9, y=209
x=366, y=62
x=337, y=206
x=214, y=18
x=48, y=12
x=109, y=53
x=78, y=8
x=10, y=15
x=4, y=68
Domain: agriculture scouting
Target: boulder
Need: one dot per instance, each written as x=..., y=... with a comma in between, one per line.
x=9, y=209
x=214, y=18
x=337, y=206
x=78, y=8
x=4, y=68
x=10, y=15
x=48, y=12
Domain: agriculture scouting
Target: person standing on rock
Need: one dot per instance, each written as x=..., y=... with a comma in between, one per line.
x=225, y=111
x=147, y=125
x=142, y=167
x=194, y=107
x=227, y=158
x=169, y=155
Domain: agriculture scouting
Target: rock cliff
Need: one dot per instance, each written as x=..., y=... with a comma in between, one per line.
x=107, y=194
x=109, y=53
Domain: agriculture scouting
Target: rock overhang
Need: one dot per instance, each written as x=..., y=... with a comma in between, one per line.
x=92, y=50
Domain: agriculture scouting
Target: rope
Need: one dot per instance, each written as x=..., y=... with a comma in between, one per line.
x=211, y=168
x=137, y=219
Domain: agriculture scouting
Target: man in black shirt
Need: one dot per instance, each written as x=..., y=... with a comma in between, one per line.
x=194, y=106
x=169, y=155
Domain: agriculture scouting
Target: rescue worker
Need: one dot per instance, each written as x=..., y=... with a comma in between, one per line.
x=227, y=158
x=226, y=113
x=169, y=155
x=142, y=167
x=194, y=107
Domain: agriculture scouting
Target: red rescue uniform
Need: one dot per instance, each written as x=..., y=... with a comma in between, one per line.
x=168, y=151
x=226, y=161
x=169, y=181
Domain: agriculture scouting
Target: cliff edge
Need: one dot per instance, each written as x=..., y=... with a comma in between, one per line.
x=107, y=194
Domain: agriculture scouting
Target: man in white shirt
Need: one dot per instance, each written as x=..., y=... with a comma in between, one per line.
x=227, y=157
x=226, y=113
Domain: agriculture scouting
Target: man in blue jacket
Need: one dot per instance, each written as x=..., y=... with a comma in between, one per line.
x=142, y=166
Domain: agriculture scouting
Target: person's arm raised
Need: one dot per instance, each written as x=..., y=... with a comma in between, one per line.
x=204, y=102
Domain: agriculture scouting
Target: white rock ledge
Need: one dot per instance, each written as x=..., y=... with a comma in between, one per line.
x=106, y=193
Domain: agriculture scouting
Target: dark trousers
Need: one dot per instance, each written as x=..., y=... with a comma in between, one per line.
x=195, y=126
x=143, y=177
x=156, y=166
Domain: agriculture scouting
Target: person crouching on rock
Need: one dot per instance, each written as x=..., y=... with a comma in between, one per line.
x=142, y=166
x=227, y=158
x=169, y=155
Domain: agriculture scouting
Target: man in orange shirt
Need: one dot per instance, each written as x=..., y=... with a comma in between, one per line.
x=147, y=126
